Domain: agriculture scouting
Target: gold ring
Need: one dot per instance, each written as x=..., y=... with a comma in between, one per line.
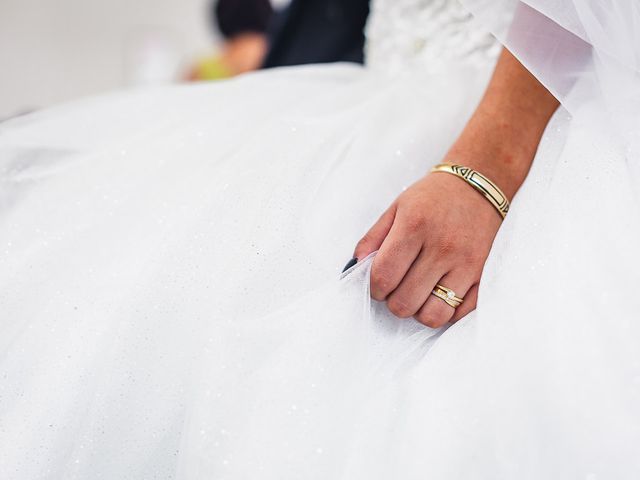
x=447, y=295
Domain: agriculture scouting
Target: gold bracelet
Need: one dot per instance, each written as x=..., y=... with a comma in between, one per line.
x=486, y=187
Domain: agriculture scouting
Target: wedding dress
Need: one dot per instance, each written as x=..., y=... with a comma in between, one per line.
x=171, y=303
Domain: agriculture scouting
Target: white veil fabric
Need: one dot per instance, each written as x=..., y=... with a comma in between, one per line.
x=586, y=52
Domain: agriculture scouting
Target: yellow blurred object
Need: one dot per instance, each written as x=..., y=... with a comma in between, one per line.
x=241, y=54
x=211, y=68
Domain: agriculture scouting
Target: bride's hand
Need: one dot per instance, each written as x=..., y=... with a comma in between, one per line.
x=438, y=231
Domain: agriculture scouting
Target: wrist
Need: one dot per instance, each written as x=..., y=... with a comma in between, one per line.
x=502, y=168
x=501, y=139
x=496, y=150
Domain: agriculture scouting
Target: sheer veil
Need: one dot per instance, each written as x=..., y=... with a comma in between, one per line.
x=586, y=52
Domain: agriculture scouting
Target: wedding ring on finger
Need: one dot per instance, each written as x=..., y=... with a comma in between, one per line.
x=447, y=295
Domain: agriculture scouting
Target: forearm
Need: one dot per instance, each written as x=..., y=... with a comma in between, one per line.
x=503, y=134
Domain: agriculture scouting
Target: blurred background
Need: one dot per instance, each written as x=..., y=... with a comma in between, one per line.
x=55, y=51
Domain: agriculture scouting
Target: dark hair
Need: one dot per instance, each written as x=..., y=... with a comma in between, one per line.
x=237, y=16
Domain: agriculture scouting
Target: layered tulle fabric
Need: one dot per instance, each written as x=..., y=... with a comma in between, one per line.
x=174, y=218
x=171, y=304
x=542, y=381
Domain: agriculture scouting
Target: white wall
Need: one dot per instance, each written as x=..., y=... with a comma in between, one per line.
x=56, y=50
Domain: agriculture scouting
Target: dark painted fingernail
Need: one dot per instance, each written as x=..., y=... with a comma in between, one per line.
x=350, y=264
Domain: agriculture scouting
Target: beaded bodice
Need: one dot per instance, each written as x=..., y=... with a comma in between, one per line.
x=425, y=34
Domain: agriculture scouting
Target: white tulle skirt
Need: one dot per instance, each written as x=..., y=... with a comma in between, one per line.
x=171, y=303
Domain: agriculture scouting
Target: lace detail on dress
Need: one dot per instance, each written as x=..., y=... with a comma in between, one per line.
x=425, y=34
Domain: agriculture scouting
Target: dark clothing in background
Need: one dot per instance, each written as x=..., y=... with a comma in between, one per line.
x=233, y=17
x=318, y=31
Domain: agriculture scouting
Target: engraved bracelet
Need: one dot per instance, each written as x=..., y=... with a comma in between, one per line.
x=486, y=187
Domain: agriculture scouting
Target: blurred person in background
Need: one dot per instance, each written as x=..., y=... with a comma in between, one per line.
x=243, y=24
x=304, y=32
x=318, y=31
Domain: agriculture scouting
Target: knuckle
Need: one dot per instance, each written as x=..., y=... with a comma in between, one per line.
x=429, y=321
x=378, y=295
x=399, y=307
x=446, y=246
x=473, y=258
x=435, y=315
x=415, y=224
x=380, y=284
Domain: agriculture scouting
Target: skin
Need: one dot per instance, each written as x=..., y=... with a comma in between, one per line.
x=419, y=245
x=245, y=52
x=242, y=53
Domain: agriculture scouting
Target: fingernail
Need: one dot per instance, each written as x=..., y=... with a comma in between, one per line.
x=350, y=264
